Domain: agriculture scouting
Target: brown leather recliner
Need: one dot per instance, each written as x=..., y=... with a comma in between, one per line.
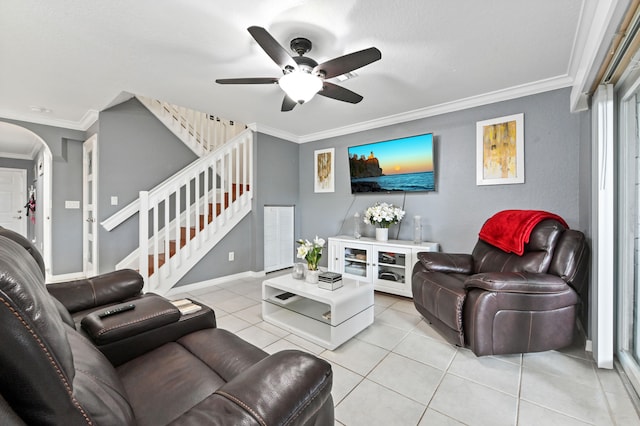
x=77, y=299
x=496, y=302
x=50, y=374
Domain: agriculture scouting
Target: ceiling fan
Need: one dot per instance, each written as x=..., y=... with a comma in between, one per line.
x=303, y=77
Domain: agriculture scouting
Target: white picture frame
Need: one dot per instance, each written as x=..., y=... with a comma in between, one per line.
x=500, y=150
x=324, y=170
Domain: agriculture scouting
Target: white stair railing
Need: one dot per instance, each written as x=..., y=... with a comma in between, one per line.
x=183, y=218
x=200, y=131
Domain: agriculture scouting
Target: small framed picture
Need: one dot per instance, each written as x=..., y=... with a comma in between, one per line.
x=323, y=170
x=500, y=150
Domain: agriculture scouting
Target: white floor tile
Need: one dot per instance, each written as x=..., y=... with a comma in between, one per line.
x=409, y=378
x=272, y=329
x=400, y=371
x=398, y=319
x=356, y=355
x=474, y=404
x=487, y=371
x=370, y=404
x=433, y=418
x=565, y=396
x=215, y=297
x=382, y=335
x=232, y=323
x=383, y=299
x=258, y=336
x=561, y=365
x=252, y=314
x=235, y=304
x=425, y=329
x=282, y=345
x=307, y=345
x=344, y=381
x=624, y=413
x=426, y=350
x=534, y=415
x=405, y=305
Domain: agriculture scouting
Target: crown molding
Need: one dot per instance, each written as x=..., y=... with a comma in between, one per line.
x=471, y=102
x=272, y=131
x=87, y=120
x=560, y=82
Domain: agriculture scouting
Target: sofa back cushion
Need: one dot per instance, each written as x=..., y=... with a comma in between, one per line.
x=24, y=242
x=571, y=260
x=46, y=377
x=538, y=252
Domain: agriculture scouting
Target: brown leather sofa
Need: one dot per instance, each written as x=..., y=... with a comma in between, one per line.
x=52, y=374
x=496, y=302
x=78, y=299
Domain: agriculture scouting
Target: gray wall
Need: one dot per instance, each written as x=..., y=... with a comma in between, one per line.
x=454, y=214
x=136, y=152
x=67, y=172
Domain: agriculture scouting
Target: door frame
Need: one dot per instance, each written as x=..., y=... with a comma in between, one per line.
x=90, y=213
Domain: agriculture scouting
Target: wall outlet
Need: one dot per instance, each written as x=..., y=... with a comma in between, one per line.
x=114, y=200
x=232, y=256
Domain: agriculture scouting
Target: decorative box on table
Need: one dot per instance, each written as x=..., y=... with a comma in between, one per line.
x=330, y=280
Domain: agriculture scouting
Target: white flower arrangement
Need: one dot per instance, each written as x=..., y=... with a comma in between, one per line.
x=383, y=215
x=311, y=252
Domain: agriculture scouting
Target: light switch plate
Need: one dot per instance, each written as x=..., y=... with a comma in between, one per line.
x=114, y=200
x=71, y=204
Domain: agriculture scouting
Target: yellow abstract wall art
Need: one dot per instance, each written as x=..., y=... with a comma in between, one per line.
x=500, y=150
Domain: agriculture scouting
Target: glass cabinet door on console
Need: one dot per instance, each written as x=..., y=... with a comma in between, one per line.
x=386, y=264
x=391, y=268
x=357, y=261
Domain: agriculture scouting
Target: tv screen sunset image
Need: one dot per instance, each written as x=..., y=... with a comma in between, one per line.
x=404, y=164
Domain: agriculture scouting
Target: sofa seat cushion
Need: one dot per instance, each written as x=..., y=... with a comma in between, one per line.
x=190, y=370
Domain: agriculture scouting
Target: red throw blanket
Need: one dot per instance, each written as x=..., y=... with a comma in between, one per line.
x=509, y=230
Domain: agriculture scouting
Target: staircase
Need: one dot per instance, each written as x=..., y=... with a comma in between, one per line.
x=183, y=218
x=201, y=132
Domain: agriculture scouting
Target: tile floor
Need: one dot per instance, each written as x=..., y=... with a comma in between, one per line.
x=399, y=371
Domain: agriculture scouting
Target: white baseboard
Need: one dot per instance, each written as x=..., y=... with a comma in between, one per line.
x=214, y=282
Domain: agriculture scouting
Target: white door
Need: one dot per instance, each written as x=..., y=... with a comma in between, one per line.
x=89, y=204
x=13, y=197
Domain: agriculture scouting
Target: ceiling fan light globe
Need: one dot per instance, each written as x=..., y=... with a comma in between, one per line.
x=300, y=86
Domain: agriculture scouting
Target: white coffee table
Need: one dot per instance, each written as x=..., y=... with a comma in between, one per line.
x=327, y=318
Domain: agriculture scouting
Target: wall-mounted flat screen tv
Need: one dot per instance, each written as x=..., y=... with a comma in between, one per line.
x=404, y=165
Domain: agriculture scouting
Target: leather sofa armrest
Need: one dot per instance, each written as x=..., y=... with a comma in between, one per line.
x=148, y=313
x=516, y=282
x=100, y=290
x=446, y=262
x=287, y=387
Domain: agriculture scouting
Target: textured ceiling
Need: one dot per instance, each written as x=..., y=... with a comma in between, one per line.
x=76, y=57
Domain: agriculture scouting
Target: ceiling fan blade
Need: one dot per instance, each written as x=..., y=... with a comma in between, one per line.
x=272, y=48
x=334, y=91
x=352, y=61
x=288, y=104
x=256, y=80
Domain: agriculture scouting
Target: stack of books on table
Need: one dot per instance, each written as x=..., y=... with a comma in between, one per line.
x=330, y=280
x=186, y=306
